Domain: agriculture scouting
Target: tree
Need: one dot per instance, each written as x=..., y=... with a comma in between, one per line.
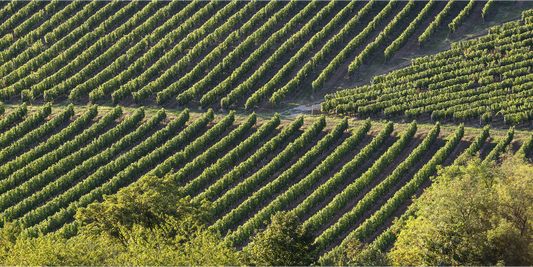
x=145, y=223
x=140, y=246
x=477, y=214
x=149, y=202
x=285, y=242
x=353, y=255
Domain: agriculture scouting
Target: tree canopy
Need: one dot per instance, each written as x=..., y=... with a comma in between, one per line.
x=146, y=223
x=149, y=203
x=476, y=214
x=284, y=242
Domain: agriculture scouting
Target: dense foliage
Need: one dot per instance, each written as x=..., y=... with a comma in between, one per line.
x=284, y=242
x=146, y=223
x=475, y=214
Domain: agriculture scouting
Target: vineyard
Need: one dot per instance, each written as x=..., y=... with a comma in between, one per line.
x=344, y=179
x=97, y=94
x=227, y=55
x=481, y=80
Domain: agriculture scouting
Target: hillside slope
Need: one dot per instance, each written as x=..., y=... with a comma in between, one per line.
x=335, y=174
x=222, y=55
x=480, y=80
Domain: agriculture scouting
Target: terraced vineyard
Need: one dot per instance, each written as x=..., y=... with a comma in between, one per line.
x=209, y=54
x=344, y=181
x=483, y=79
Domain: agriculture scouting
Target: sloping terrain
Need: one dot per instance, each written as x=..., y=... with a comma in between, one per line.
x=484, y=79
x=229, y=55
x=339, y=176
